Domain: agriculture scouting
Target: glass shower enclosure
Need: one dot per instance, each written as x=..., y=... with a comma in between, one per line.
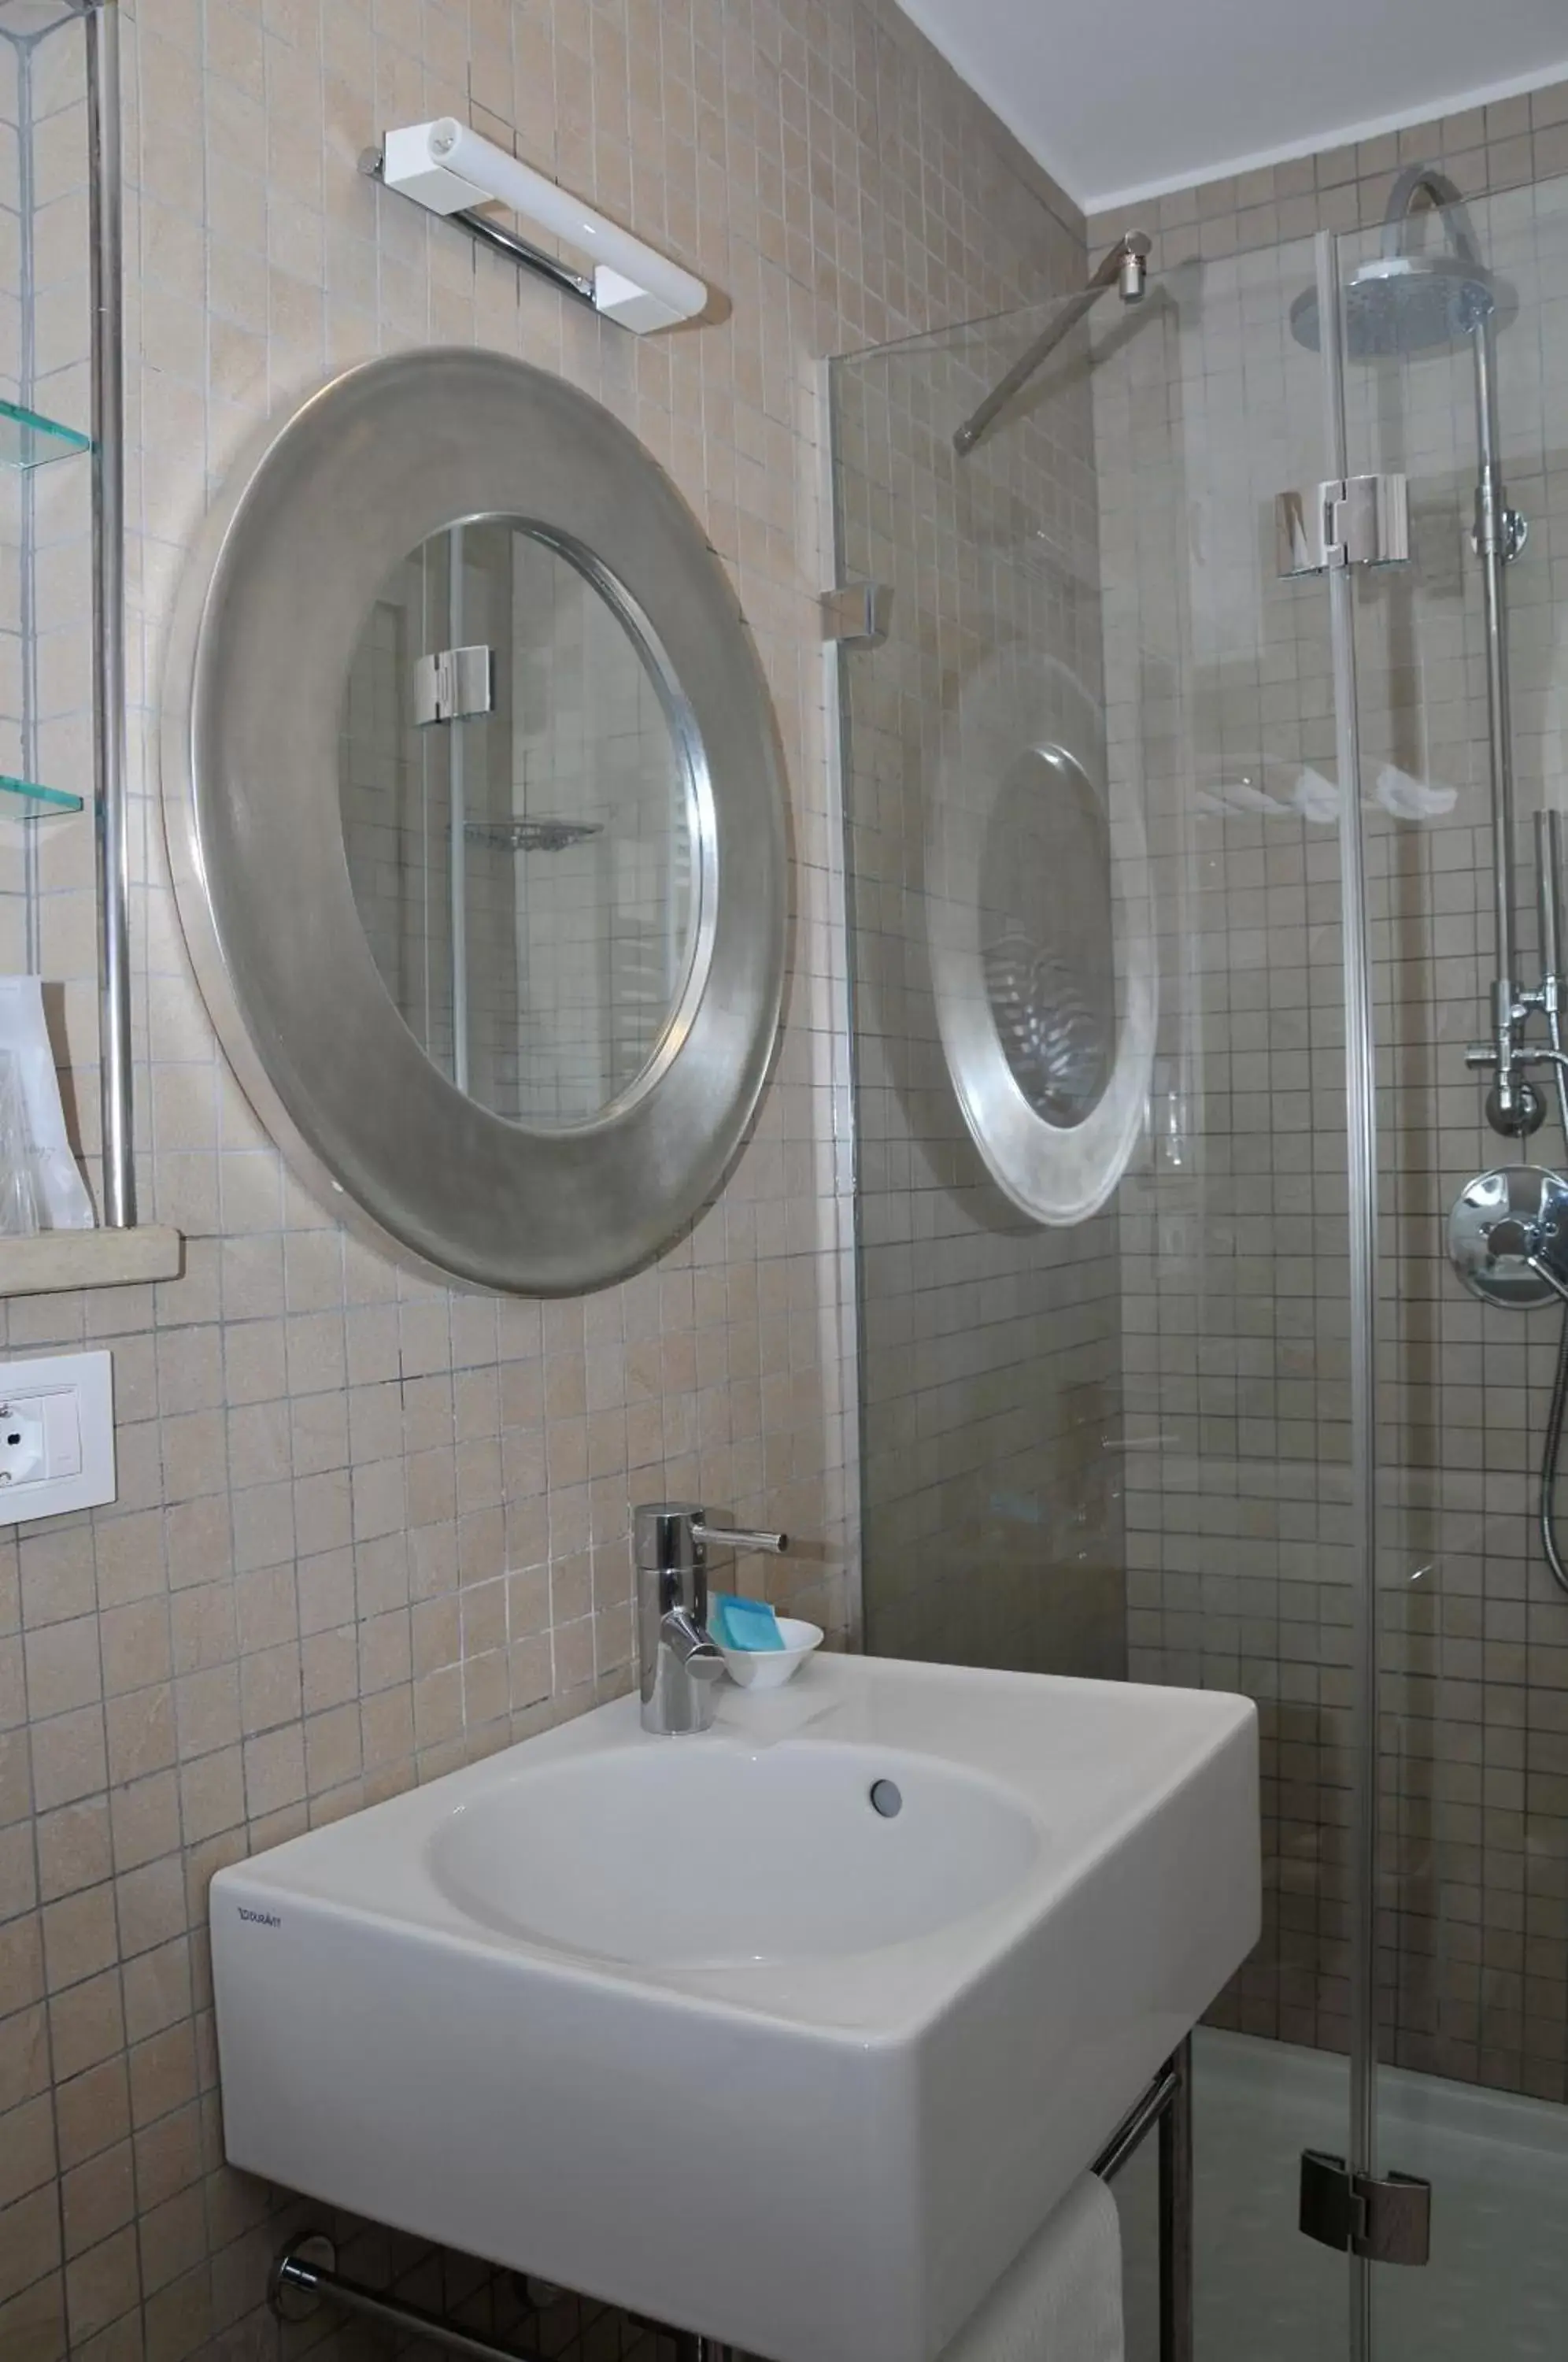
x=1220, y=676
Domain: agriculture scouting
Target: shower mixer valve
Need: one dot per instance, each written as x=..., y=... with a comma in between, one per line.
x=1514, y=1106
x=1508, y=1236
x=1508, y=1239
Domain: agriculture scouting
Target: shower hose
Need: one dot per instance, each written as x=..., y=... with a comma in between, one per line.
x=1551, y=1452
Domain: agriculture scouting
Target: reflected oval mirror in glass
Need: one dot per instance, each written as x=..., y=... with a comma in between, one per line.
x=1046, y=933
x=523, y=816
x=1041, y=928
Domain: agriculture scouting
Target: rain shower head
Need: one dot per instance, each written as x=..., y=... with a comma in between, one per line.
x=1409, y=298
x=1406, y=303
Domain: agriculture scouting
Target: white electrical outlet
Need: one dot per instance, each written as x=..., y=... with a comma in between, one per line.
x=57, y=1435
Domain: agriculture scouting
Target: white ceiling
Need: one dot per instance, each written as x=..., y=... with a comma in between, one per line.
x=1123, y=99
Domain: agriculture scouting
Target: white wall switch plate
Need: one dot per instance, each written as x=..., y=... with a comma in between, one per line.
x=57, y=1435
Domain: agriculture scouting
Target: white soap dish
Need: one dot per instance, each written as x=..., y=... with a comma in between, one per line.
x=770, y=1669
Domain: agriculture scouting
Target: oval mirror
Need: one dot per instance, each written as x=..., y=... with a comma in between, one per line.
x=475, y=811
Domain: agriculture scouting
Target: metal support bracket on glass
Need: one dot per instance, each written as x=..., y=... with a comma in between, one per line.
x=1350, y=521
x=1386, y=2218
x=855, y=614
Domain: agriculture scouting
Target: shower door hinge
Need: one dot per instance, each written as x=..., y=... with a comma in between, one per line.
x=1352, y=521
x=855, y=614
x=1385, y=2217
x=453, y=684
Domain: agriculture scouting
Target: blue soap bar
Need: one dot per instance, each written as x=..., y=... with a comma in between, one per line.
x=737, y=1623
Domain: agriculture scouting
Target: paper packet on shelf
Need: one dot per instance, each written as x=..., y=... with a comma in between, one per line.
x=59, y=1193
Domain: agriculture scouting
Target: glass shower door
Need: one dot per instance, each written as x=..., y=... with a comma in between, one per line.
x=1142, y=1442
x=1473, y=1886
x=1125, y=1444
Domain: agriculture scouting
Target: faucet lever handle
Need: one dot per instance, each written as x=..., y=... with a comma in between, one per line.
x=691, y=1645
x=739, y=1538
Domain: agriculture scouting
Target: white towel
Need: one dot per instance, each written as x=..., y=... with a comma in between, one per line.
x=1060, y=2301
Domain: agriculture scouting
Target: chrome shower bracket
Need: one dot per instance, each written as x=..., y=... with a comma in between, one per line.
x=1515, y=1107
x=1498, y=531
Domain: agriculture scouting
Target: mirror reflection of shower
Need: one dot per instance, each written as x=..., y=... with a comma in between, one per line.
x=519, y=823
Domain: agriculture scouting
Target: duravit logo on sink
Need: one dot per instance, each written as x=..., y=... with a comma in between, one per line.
x=261, y=1918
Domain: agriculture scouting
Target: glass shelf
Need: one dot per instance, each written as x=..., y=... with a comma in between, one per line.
x=28, y=440
x=43, y=800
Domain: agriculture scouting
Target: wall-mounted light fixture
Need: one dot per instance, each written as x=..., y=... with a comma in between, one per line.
x=449, y=168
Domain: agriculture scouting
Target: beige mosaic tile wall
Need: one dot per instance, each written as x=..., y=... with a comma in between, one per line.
x=989, y=1344
x=367, y=1528
x=1234, y=1237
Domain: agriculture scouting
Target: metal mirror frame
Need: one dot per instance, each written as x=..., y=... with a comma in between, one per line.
x=1016, y=700
x=269, y=610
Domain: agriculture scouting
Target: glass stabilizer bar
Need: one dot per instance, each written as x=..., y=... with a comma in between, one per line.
x=28, y=439
x=43, y=800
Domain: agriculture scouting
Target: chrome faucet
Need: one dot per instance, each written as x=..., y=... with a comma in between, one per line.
x=680, y=1662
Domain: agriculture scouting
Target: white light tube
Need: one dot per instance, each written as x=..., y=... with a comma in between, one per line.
x=449, y=167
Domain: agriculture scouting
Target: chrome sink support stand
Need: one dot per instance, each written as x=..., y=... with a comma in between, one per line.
x=306, y=2272
x=678, y=1664
x=1167, y=2102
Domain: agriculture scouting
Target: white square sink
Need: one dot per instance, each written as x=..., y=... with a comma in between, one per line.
x=791, y=2034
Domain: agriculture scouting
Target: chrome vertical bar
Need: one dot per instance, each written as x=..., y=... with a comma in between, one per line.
x=106, y=237
x=1548, y=905
x=1360, y=1126
x=27, y=484
x=458, y=846
x=1177, y=2319
x=1491, y=544
x=1549, y=889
